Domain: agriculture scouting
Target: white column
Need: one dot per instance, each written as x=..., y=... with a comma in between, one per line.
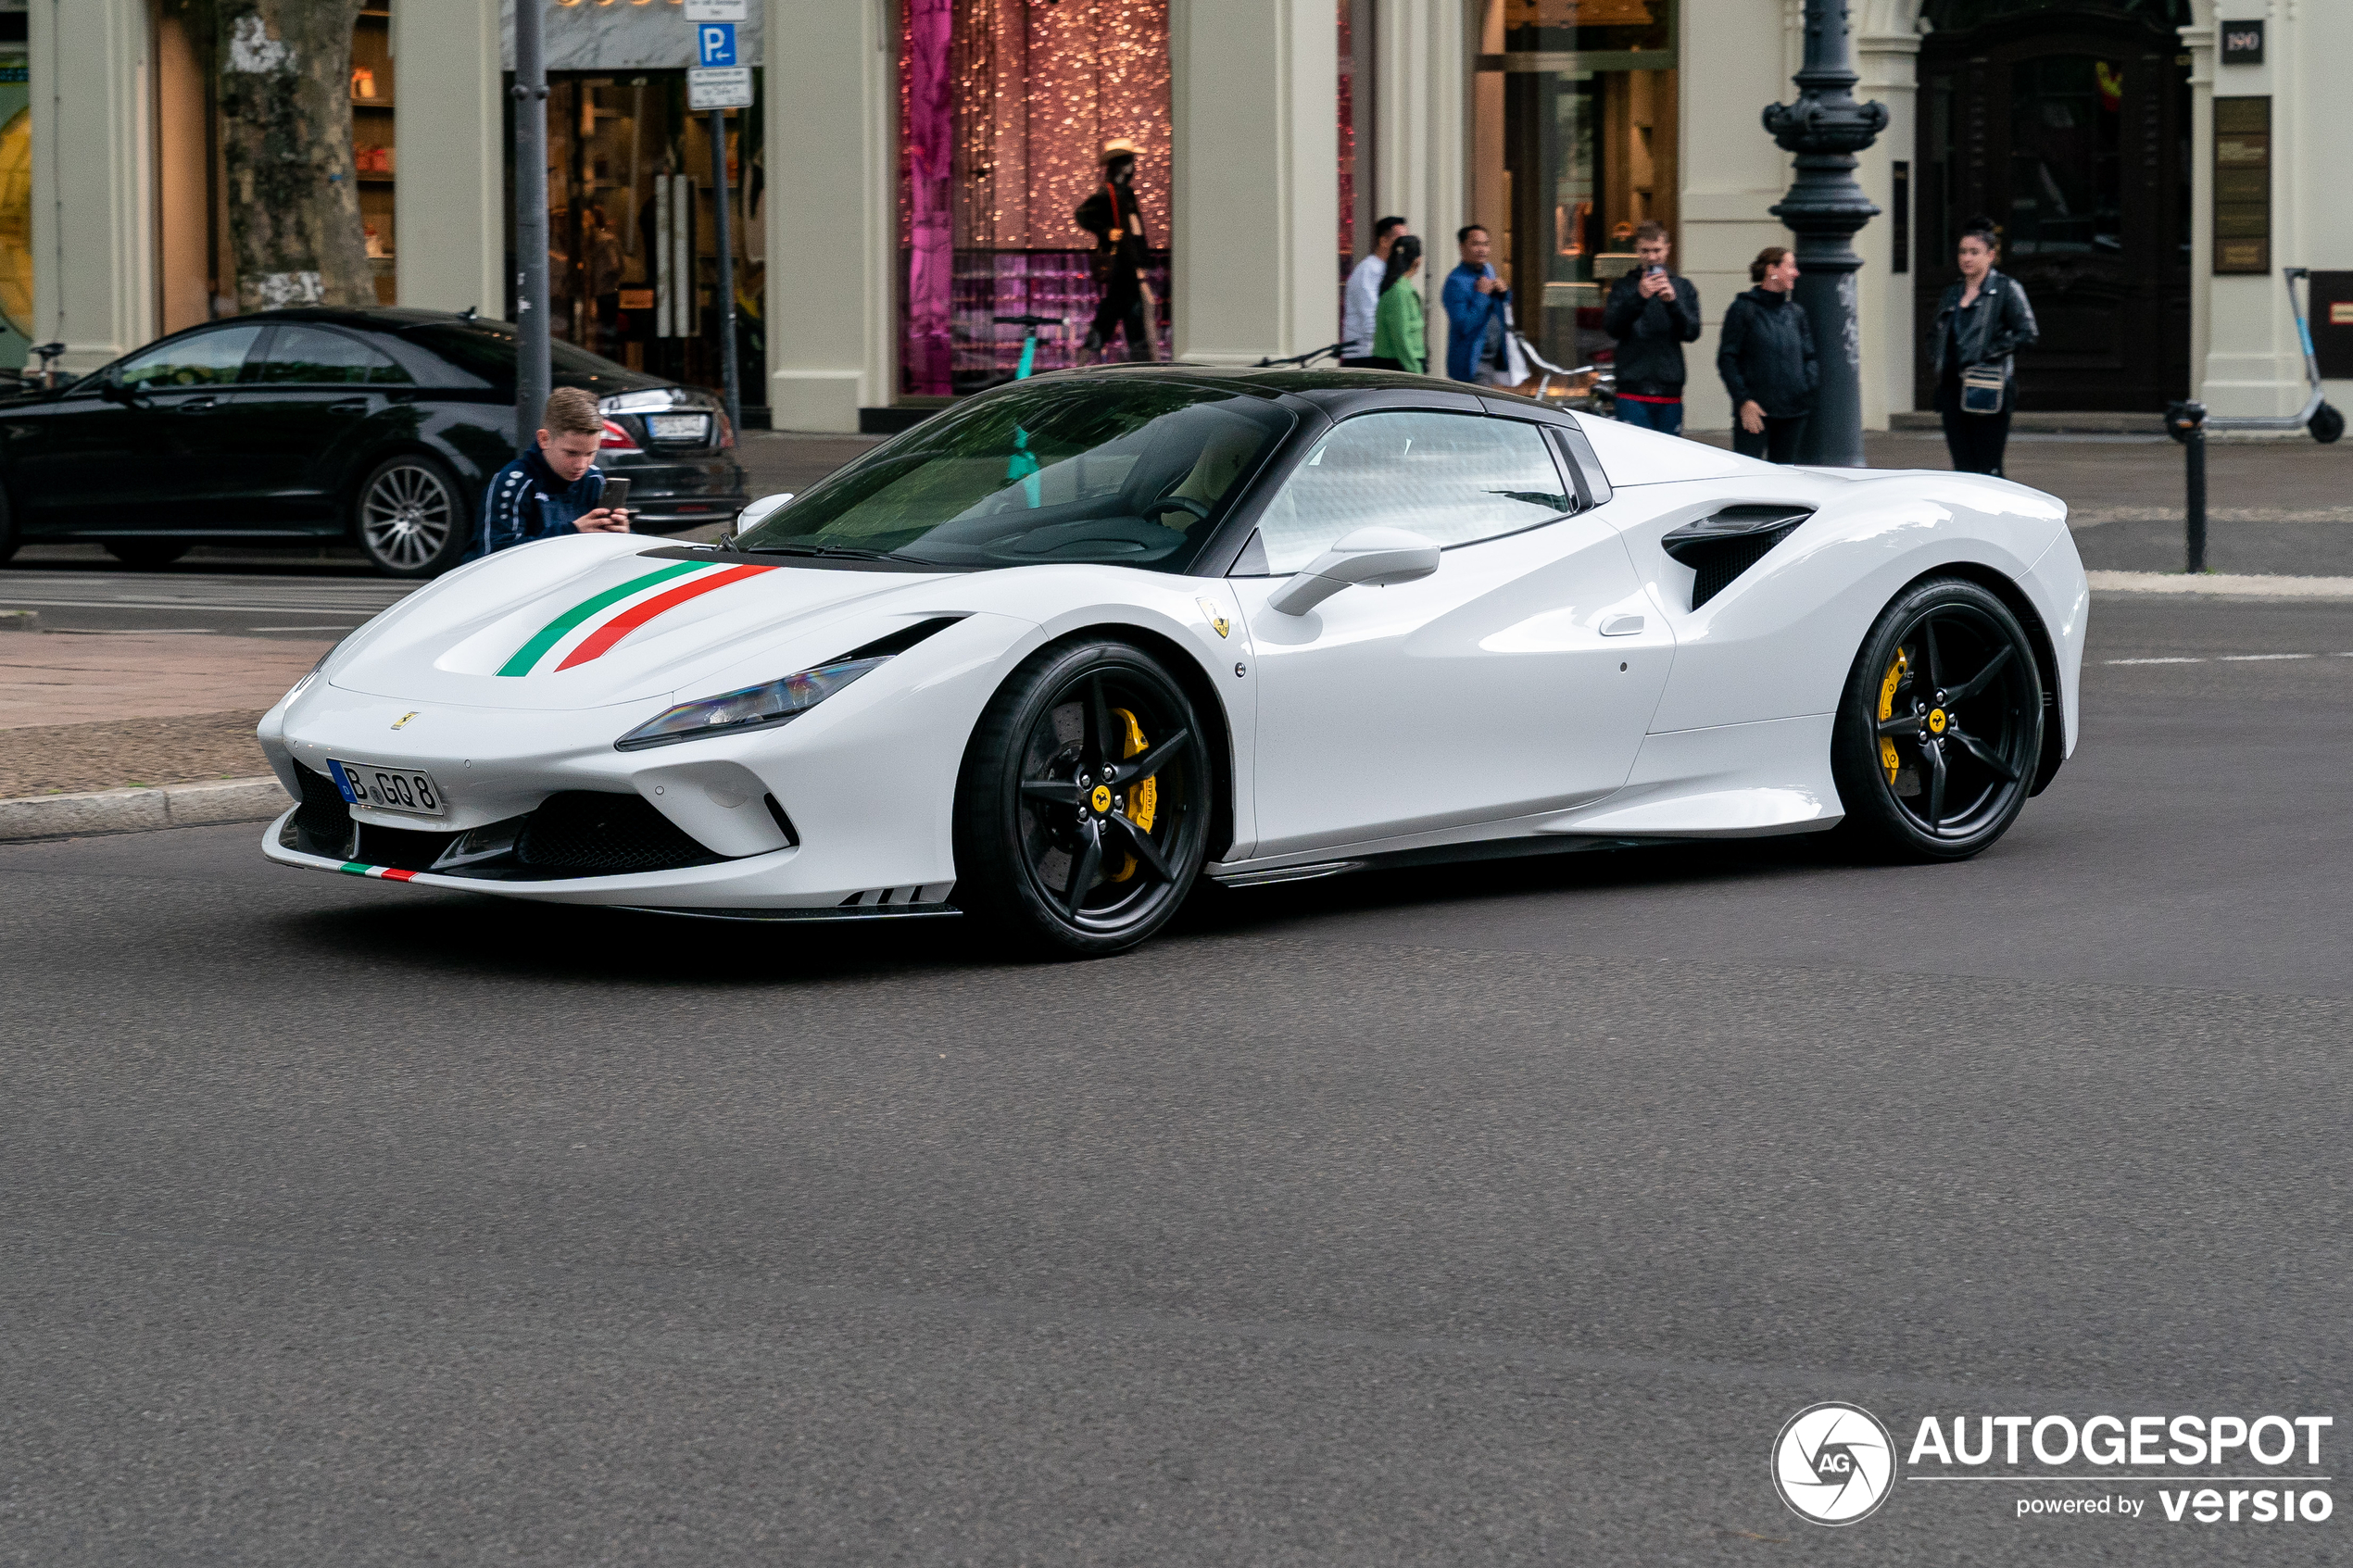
x=2244, y=356
x=832, y=211
x=1735, y=60
x=1254, y=219
x=1422, y=132
x=93, y=178
x=449, y=197
x=1887, y=48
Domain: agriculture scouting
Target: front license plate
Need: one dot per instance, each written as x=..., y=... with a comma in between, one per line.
x=679, y=427
x=409, y=791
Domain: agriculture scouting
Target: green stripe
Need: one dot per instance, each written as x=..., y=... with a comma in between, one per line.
x=354, y=868
x=551, y=633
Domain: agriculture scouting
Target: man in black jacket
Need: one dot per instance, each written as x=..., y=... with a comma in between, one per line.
x=1652, y=313
x=1116, y=219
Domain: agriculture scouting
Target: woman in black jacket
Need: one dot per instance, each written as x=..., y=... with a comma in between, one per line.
x=1981, y=320
x=1766, y=355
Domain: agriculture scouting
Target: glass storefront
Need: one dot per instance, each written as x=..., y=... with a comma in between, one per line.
x=15, y=190
x=1004, y=108
x=1574, y=144
x=633, y=263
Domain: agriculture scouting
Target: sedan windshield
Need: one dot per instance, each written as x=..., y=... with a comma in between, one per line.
x=1106, y=471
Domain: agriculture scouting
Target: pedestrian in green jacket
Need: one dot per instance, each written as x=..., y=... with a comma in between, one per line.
x=1398, y=337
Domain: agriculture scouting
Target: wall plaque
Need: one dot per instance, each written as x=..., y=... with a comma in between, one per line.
x=2242, y=185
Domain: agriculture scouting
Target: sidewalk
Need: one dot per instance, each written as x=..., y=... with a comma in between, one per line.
x=101, y=711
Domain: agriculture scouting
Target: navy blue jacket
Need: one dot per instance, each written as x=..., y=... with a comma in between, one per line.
x=526, y=501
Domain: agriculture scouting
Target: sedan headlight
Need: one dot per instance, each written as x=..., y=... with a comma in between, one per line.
x=754, y=708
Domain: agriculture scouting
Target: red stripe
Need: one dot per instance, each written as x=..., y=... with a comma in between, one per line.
x=628, y=621
x=1639, y=397
x=391, y=875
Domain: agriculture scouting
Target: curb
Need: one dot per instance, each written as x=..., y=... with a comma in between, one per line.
x=2238, y=586
x=140, y=810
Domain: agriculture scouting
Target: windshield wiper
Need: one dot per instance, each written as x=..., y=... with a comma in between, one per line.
x=837, y=552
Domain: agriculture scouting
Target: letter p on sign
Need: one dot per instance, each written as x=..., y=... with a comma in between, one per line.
x=715, y=43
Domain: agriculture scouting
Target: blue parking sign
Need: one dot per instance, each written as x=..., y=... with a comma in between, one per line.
x=715, y=43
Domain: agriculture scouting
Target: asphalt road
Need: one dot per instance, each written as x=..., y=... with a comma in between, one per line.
x=1499, y=1215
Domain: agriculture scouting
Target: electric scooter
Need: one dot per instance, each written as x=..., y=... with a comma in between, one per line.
x=2318, y=416
x=1029, y=343
x=1023, y=465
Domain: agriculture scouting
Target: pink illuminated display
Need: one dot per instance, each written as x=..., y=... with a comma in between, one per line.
x=1024, y=92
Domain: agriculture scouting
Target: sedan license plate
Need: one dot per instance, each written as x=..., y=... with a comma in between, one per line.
x=409, y=791
x=694, y=428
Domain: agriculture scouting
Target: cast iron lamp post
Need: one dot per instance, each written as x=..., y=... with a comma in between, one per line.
x=1826, y=128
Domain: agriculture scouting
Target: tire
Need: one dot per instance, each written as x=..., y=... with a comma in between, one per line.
x=146, y=555
x=1054, y=856
x=1917, y=785
x=2327, y=424
x=410, y=519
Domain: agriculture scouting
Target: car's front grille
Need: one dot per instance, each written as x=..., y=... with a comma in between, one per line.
x=585, y=832
x=406, y=850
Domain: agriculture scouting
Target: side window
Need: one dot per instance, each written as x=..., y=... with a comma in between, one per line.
x=315, y=357
x=1452, y=477
x=212, y=358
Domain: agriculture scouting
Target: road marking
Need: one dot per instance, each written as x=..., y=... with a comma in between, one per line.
x=200, y=609
x=2156, y=662
x=2259, y=658
x=133, y=631
x=2229, y=658
x=338, y=626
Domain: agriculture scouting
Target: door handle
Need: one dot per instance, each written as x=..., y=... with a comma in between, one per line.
x=1621, y=626
x=195, y=406
x=348, y=406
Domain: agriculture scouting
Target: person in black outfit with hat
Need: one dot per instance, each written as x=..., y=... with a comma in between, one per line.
x=1115, y=218
x=1980, y=321
x=1766, y=355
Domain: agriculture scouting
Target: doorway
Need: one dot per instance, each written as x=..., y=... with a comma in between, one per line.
x=2069, y=125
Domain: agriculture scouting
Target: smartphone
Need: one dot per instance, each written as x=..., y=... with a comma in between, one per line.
x=616, y=493
x=1654, y=268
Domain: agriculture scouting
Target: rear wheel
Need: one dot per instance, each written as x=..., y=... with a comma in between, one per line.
x=1083, y=810
x=1941, y=725
x=409, y=518
x=2327, y=424
x=146, y=555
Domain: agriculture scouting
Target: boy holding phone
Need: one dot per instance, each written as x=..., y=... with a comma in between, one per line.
x=555, y=487
x=1652, y=313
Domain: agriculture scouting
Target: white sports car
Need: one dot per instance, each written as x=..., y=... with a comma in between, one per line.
x=1068, y=647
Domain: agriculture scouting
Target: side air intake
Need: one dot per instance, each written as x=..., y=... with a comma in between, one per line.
x=1729, y=541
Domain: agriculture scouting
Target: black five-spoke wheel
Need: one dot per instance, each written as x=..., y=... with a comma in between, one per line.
x=1083, y=811
x=1941, y=728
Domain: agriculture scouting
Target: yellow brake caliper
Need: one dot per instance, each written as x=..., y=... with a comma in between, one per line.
x=1895, y=672
x=1143, y=801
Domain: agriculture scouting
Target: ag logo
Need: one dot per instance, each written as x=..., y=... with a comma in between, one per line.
x=1834, y=1464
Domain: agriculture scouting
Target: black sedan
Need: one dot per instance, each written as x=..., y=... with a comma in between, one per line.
x=381, y=426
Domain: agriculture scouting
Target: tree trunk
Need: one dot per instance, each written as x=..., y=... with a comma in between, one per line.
x=286, y=140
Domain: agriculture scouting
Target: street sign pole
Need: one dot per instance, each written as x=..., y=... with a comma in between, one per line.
x=531, y=225
x=727, y=273
x=718, y=84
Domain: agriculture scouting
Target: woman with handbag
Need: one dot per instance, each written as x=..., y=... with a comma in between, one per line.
x=1981, y=320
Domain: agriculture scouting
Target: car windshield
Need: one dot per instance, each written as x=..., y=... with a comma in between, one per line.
x=1113, y=471
x=486, y=348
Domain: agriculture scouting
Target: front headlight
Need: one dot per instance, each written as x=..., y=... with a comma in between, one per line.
x=754, y=708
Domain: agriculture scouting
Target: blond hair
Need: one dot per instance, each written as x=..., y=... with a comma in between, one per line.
x=571, y=411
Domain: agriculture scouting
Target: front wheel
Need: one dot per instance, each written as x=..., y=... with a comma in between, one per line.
x=2327, y=424
x=1941, y=725
x=1082, y=812
x=409, y=518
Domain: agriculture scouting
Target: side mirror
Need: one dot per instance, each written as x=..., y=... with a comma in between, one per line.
x=1371, y=556
x=757, y=513
x=115, y=392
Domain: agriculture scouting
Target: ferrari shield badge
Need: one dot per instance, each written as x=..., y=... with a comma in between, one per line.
x=1216, y=619
x=404, y=719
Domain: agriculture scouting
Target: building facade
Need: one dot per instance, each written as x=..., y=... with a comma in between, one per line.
x=911, y=168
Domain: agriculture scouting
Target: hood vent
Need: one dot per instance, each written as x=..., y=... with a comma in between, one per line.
x=1727, y=542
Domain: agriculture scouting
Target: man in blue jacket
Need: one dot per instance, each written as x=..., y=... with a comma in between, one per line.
x=555, y=487
x=1474, y=298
